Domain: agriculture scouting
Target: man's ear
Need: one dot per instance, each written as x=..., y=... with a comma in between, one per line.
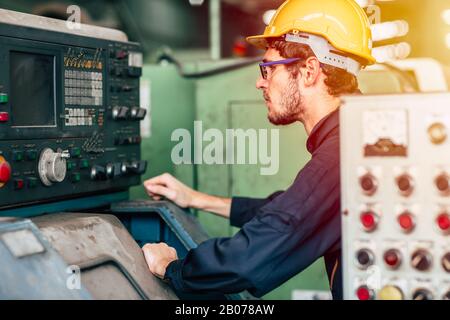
x=311, y=71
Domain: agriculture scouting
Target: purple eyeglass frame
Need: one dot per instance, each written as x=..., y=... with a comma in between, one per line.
x=263, y=65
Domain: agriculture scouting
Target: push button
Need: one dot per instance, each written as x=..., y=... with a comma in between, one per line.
x=75, y=177
x=84, y=163
x=3, y=98
x=17, y=156
x=18, y=184
x=5, y=171
x=32, y=182
x=31, y=155
x=4, y=116
x=71, y=165
x=75, y=152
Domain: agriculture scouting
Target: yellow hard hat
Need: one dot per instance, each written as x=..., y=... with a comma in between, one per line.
x=342, y=22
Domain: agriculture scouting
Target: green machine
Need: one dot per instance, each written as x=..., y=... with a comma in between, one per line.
x=222, y=95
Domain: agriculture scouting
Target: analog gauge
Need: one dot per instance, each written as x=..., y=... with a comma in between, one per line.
x=385, y=133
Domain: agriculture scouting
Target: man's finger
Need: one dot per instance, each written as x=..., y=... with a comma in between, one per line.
x=162, y=191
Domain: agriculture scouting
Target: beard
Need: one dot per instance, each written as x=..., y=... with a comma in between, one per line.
x=290, y=105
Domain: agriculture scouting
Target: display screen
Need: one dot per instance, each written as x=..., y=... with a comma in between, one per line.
x=32, y=92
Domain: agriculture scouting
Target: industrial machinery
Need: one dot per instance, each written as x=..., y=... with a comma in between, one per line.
x=69, y=152
x=395, y=197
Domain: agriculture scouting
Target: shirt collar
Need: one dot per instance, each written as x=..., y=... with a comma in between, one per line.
x=321, y=130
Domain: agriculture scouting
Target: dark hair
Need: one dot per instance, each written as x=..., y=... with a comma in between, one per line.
x=338, y=80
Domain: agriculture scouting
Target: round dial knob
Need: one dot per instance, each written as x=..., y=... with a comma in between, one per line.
x=52, y=166
x=446, y=262
x=364, y=258
x=368, y=184
x=437, y=133
x=422, y=294
x=405, y=184
x=393, y=258
x=443, y=183
x=390, y=292
x=421, y=260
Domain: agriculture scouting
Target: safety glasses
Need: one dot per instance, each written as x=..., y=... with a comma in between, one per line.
x=266, y=65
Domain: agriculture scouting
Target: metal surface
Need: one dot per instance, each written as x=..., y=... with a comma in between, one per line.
x=112, y=264
x=31, y=268
x=48, y=24
x=395, y=165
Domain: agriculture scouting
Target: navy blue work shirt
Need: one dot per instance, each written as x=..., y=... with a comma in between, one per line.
x=280, y=236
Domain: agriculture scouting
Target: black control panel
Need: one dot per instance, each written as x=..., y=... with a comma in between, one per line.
x=69, y=115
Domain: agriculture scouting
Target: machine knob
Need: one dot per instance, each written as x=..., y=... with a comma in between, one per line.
x=369, y=220
x=446, y=262
x=443, y=222
x=138, y=113
x=443, y=183
x=365, y=258
x=365, y=293
x=120, y=113
x=392, y=258
x=98, y=173
x=437, y=133
x=5, y=171
x=421, y=260
x=422, y=294
x=406, y=222
x=113, y=170
x=135, y=167
x=52, y=166
x=368, y=184
x=390, y=292
x=405, y=184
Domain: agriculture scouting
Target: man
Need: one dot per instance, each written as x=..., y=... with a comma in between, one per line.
x=314, y=50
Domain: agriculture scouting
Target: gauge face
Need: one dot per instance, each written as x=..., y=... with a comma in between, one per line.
x=385, y=133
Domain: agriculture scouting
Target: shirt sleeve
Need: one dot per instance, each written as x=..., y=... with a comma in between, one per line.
x=286, y=235
x=244, y=209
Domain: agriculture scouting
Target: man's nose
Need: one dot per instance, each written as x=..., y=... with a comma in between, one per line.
x=261, y=83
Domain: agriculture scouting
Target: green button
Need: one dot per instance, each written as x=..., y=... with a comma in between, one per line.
x=84, y=163
x=71, y=165
x=76, y=177
x=3, y=98
x=17, y=155
x=31, y=154
x=75, y=152
x=32, y=182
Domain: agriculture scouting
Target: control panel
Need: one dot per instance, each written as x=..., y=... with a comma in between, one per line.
x=69, y=111
x=395, y=182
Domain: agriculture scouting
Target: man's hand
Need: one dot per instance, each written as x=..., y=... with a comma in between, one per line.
x=167, y=186
x=158, y=257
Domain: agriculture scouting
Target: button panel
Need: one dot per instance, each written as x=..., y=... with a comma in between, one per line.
x=395, y=170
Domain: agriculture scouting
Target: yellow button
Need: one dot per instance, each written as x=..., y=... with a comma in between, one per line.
x=390, y=293
x=437, y=133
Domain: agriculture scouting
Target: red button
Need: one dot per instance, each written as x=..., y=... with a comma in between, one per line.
x=18, y=184
x=5, y=172
x=392, y=258
x=443, y=221
x=364, y=293
x=369, y=220
x=406, y=221
x=4, y=116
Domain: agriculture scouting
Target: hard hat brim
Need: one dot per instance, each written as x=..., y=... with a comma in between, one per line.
x=260, y=41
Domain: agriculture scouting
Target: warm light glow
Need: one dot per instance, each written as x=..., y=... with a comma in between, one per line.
x=446, y=16
x=392, y=52
x=389, y=30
